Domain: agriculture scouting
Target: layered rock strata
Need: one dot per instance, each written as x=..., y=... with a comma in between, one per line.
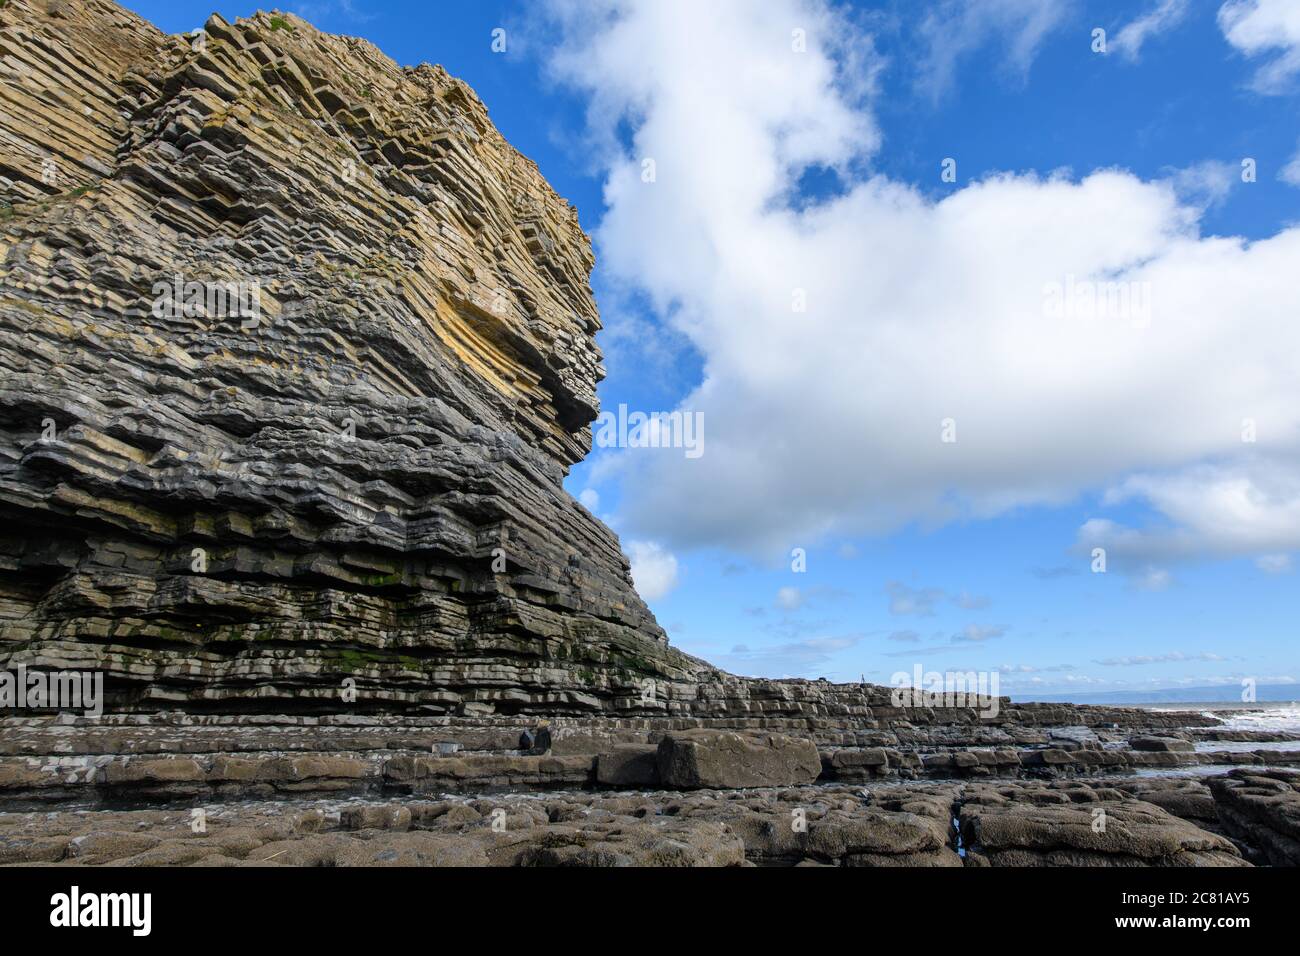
x=361, y=790
x=138, y=760
x=296, y=351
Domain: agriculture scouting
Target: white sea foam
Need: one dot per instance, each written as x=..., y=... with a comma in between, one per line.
x=1278, y=718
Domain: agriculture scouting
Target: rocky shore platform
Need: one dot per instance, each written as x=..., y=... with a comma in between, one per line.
x=1125, y=788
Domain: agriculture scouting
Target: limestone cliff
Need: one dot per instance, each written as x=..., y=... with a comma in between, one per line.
x=296, y=351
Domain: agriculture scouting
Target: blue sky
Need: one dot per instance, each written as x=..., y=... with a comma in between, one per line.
x=827, y=161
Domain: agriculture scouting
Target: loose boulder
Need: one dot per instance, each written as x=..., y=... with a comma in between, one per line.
x=696, y=759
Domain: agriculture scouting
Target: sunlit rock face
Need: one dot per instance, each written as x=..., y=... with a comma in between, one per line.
x=296, y=352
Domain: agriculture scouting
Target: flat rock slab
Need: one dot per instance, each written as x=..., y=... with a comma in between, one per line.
x=1098, y=832
x=698, y=759
x=1162, y=744
x=1262, y=808
x=1061, y=823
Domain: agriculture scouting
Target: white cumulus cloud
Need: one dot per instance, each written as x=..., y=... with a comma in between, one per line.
x=1250, y=507
x=654, y=570
x=1269, y=29
x=843, y=341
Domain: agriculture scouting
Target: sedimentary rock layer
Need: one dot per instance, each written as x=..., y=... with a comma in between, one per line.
x=296, y=351
x=138, y=758
x=358, y=790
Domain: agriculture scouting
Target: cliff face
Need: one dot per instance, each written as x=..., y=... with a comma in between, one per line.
x=296, y=351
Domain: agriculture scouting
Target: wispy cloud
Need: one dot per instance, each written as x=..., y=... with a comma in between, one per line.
x=1290, y=173
x=794, y=658
x=922, y=602
x=971, y=602
x=904, y=600
x=322, y=9
x=1251, y=508
x=1164, y=16
x=956, y=30
x=1169, y=658
x=973, y=634
x=1206, y=184
x=1267, y=29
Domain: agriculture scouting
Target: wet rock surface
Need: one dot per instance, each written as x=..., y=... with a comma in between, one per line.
x=1082, y=826
x=1009, y=824
x=603, y=795
x=1262, y=809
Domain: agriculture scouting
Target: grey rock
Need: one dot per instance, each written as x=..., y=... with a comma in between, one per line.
x=1262, y=808
x=629, y=765
x=718, y=759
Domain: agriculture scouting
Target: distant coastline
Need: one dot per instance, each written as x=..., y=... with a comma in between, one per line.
x=1226, y=695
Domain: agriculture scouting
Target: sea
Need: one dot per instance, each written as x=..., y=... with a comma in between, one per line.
x=1272, y=716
